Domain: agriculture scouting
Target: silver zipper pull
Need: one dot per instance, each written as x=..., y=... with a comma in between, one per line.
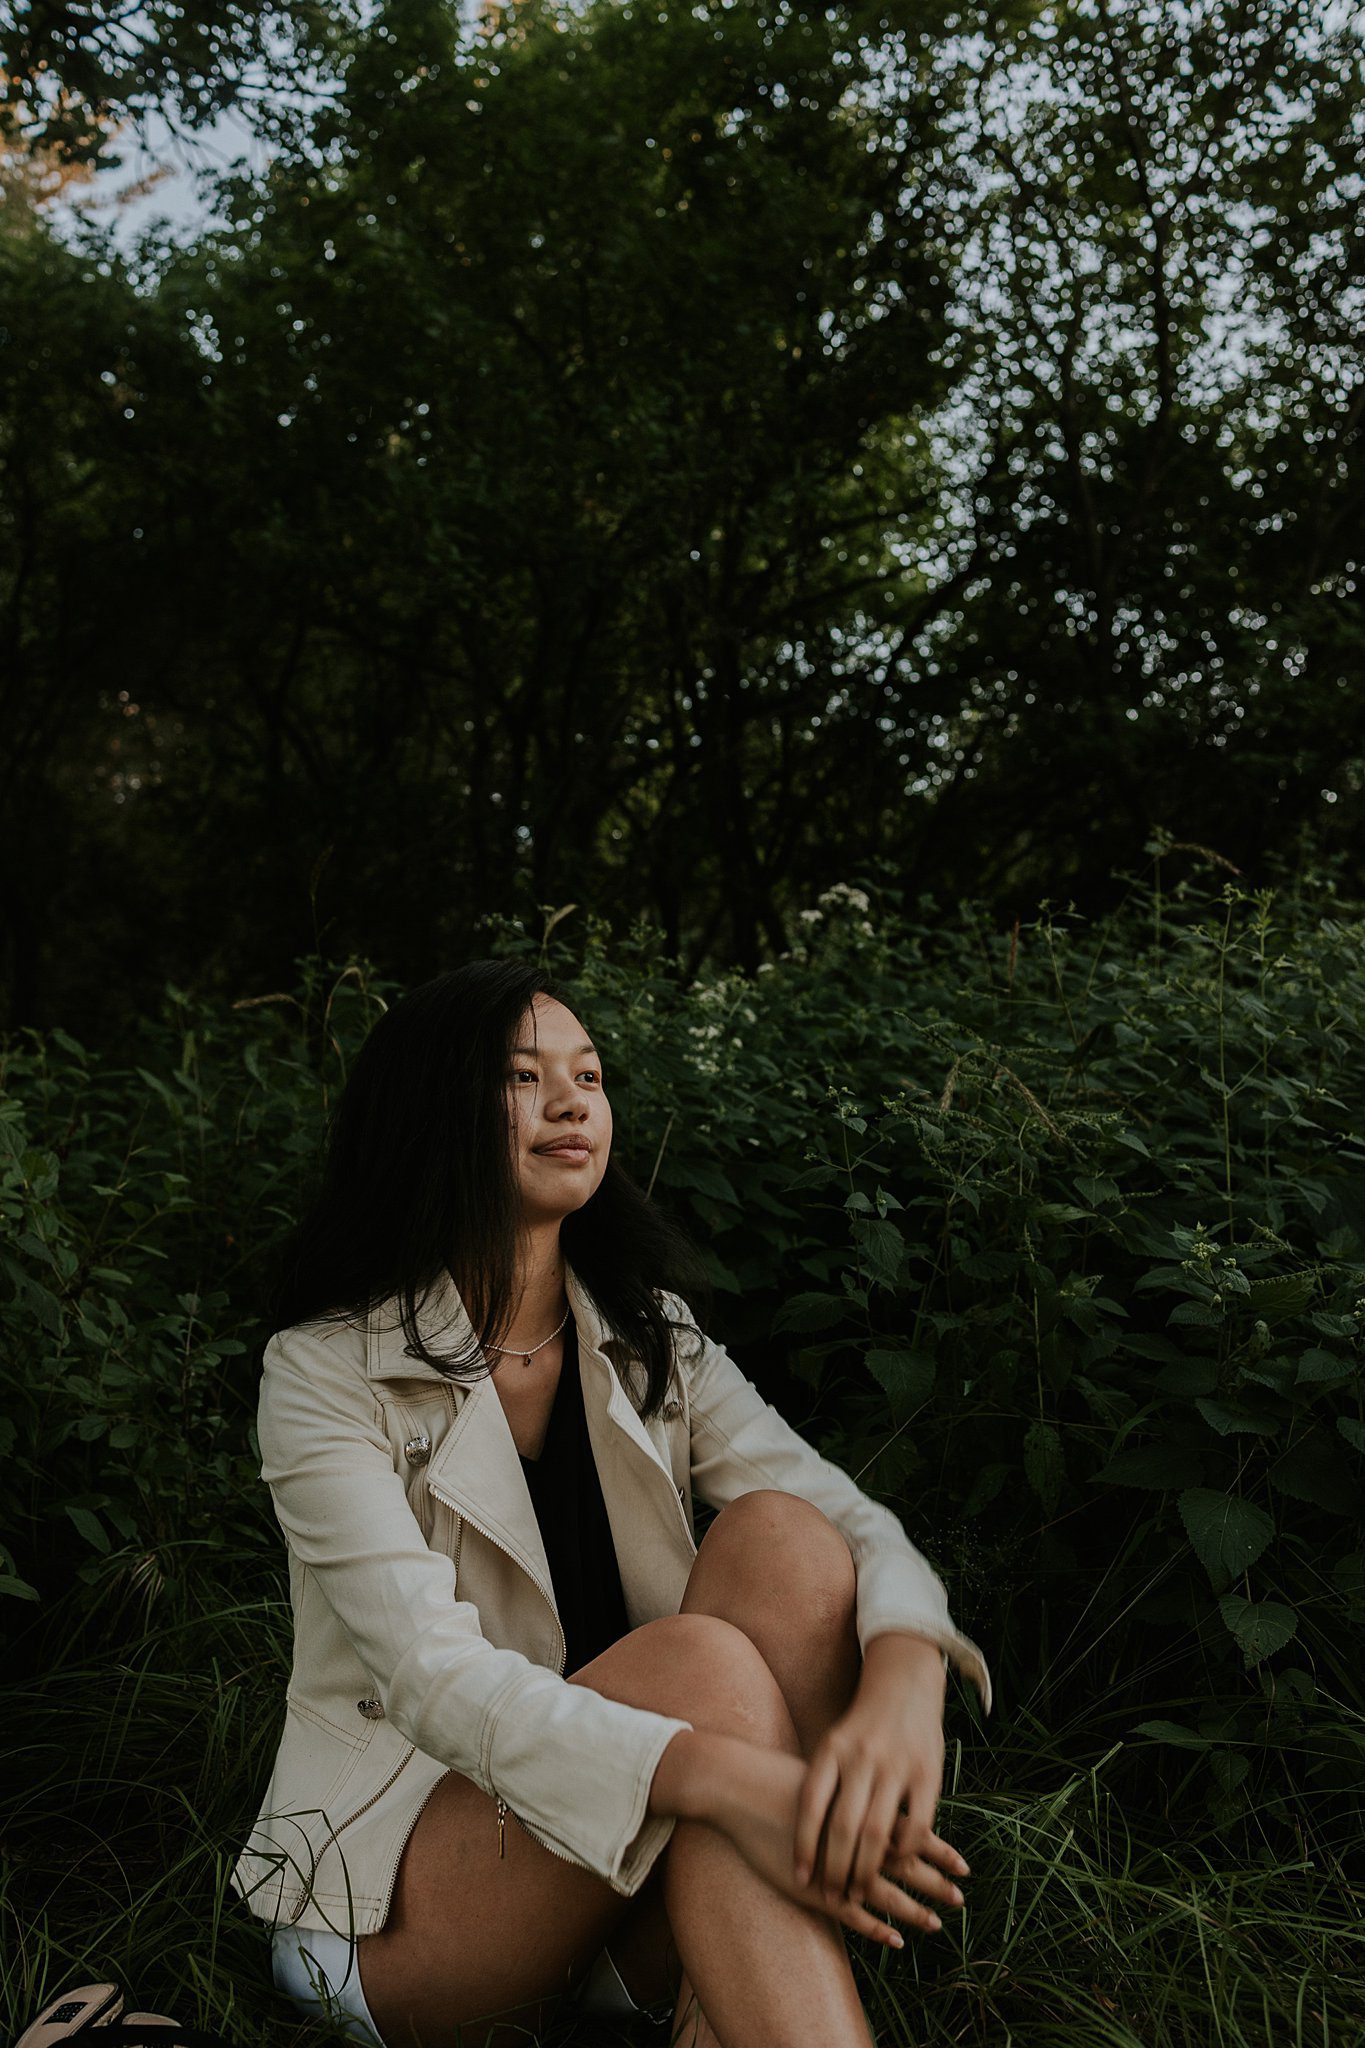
x=502, y=1827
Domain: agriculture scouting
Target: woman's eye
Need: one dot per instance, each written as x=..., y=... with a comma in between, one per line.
x=517, y=1073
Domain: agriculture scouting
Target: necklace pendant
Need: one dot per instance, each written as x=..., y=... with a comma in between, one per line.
x=527, y=1359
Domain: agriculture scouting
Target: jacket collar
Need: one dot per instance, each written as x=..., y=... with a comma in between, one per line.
x=477, y=1470
x=444, y=1325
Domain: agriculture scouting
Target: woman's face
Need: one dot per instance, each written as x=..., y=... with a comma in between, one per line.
x=561, y=1119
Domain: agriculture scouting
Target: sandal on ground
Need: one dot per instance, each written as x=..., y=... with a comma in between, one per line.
x=94, y=2016
x=147, y=2030
x=60, y=2017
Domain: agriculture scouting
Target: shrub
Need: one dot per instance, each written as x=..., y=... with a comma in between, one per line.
x=1054, y=1239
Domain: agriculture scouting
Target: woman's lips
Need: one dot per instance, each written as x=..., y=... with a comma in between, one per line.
x=576, y=1153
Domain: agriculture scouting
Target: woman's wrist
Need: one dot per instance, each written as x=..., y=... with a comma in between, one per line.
x=695, y=1777
x=902, y=1660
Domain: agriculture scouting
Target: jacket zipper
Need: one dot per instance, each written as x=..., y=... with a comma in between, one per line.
x=537, y=1834
x=502, y=1807
x=393, y=1776
x=395, y=1773
x=543, y=1590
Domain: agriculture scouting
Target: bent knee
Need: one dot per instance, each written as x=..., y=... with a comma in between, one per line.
x=723, y=1675
x=755, y=1527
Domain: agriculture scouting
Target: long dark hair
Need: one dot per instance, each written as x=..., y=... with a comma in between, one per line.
x=417, y=1179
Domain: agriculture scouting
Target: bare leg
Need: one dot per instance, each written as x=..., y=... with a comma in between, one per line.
x=803, y=1620
x=774, y=1974
x=805, y=1628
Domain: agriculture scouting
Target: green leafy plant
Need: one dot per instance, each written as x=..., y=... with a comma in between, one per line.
x=1054, y=1239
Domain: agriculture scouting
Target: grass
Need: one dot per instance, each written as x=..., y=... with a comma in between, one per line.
x=1091, y=1919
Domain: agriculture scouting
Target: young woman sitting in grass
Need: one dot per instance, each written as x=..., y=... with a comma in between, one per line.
x=539, y=1744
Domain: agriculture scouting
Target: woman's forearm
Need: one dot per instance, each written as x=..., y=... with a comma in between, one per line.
x=697, y=1775
x=701, y=1773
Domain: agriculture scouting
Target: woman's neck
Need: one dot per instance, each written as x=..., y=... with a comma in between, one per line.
x=539, y=1295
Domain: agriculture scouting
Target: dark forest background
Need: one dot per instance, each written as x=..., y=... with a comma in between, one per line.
x=667, y=457
x=838, y=530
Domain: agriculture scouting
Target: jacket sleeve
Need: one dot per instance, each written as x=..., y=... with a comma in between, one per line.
x=567, y=1758
x=740, y=1442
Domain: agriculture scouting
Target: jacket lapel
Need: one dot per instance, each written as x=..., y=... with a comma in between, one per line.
x=477, y=1471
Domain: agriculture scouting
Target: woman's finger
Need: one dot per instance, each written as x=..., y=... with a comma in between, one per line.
x=860, y=1915
x=943, y=1852
x=888, y=1899
x=926, y=1877
x=874, y=1840
x=908, y=1840
x=819, y=1786
x=860, y=1921
x=847, y=1818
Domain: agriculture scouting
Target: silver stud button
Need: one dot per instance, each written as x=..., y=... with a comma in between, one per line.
x=417, y=1449
x=372, y=1708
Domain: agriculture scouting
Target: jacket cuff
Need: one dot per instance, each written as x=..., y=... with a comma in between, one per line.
x=585, y=1794
x=897, y=1592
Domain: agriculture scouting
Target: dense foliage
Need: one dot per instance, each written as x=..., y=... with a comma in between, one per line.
x=1055, y=1240
x=621, y=454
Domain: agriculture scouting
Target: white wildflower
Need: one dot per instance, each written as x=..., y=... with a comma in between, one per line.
x=840, y=892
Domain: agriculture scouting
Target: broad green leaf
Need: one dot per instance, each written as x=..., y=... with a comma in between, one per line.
x=1227, y=1533
x=1228, y=1768
x=1319, y=1365
x=1286, y=1294
x=1172, y=1732
x=906, y=1376
x=1230, y=1418
x=810, y=1312
x=89, y=1526
x=1200, y=1313
x=883, y=1251
x=986, y=1486
x=1260, y=1626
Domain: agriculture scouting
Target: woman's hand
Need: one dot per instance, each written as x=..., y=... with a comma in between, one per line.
x=884, y=1753
x=758, y=1811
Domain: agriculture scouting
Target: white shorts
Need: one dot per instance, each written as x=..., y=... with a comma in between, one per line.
x=319, y=1971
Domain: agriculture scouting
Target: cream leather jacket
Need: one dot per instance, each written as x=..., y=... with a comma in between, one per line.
x=426, y=1637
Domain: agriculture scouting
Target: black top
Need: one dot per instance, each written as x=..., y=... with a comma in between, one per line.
x=567, y=1496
